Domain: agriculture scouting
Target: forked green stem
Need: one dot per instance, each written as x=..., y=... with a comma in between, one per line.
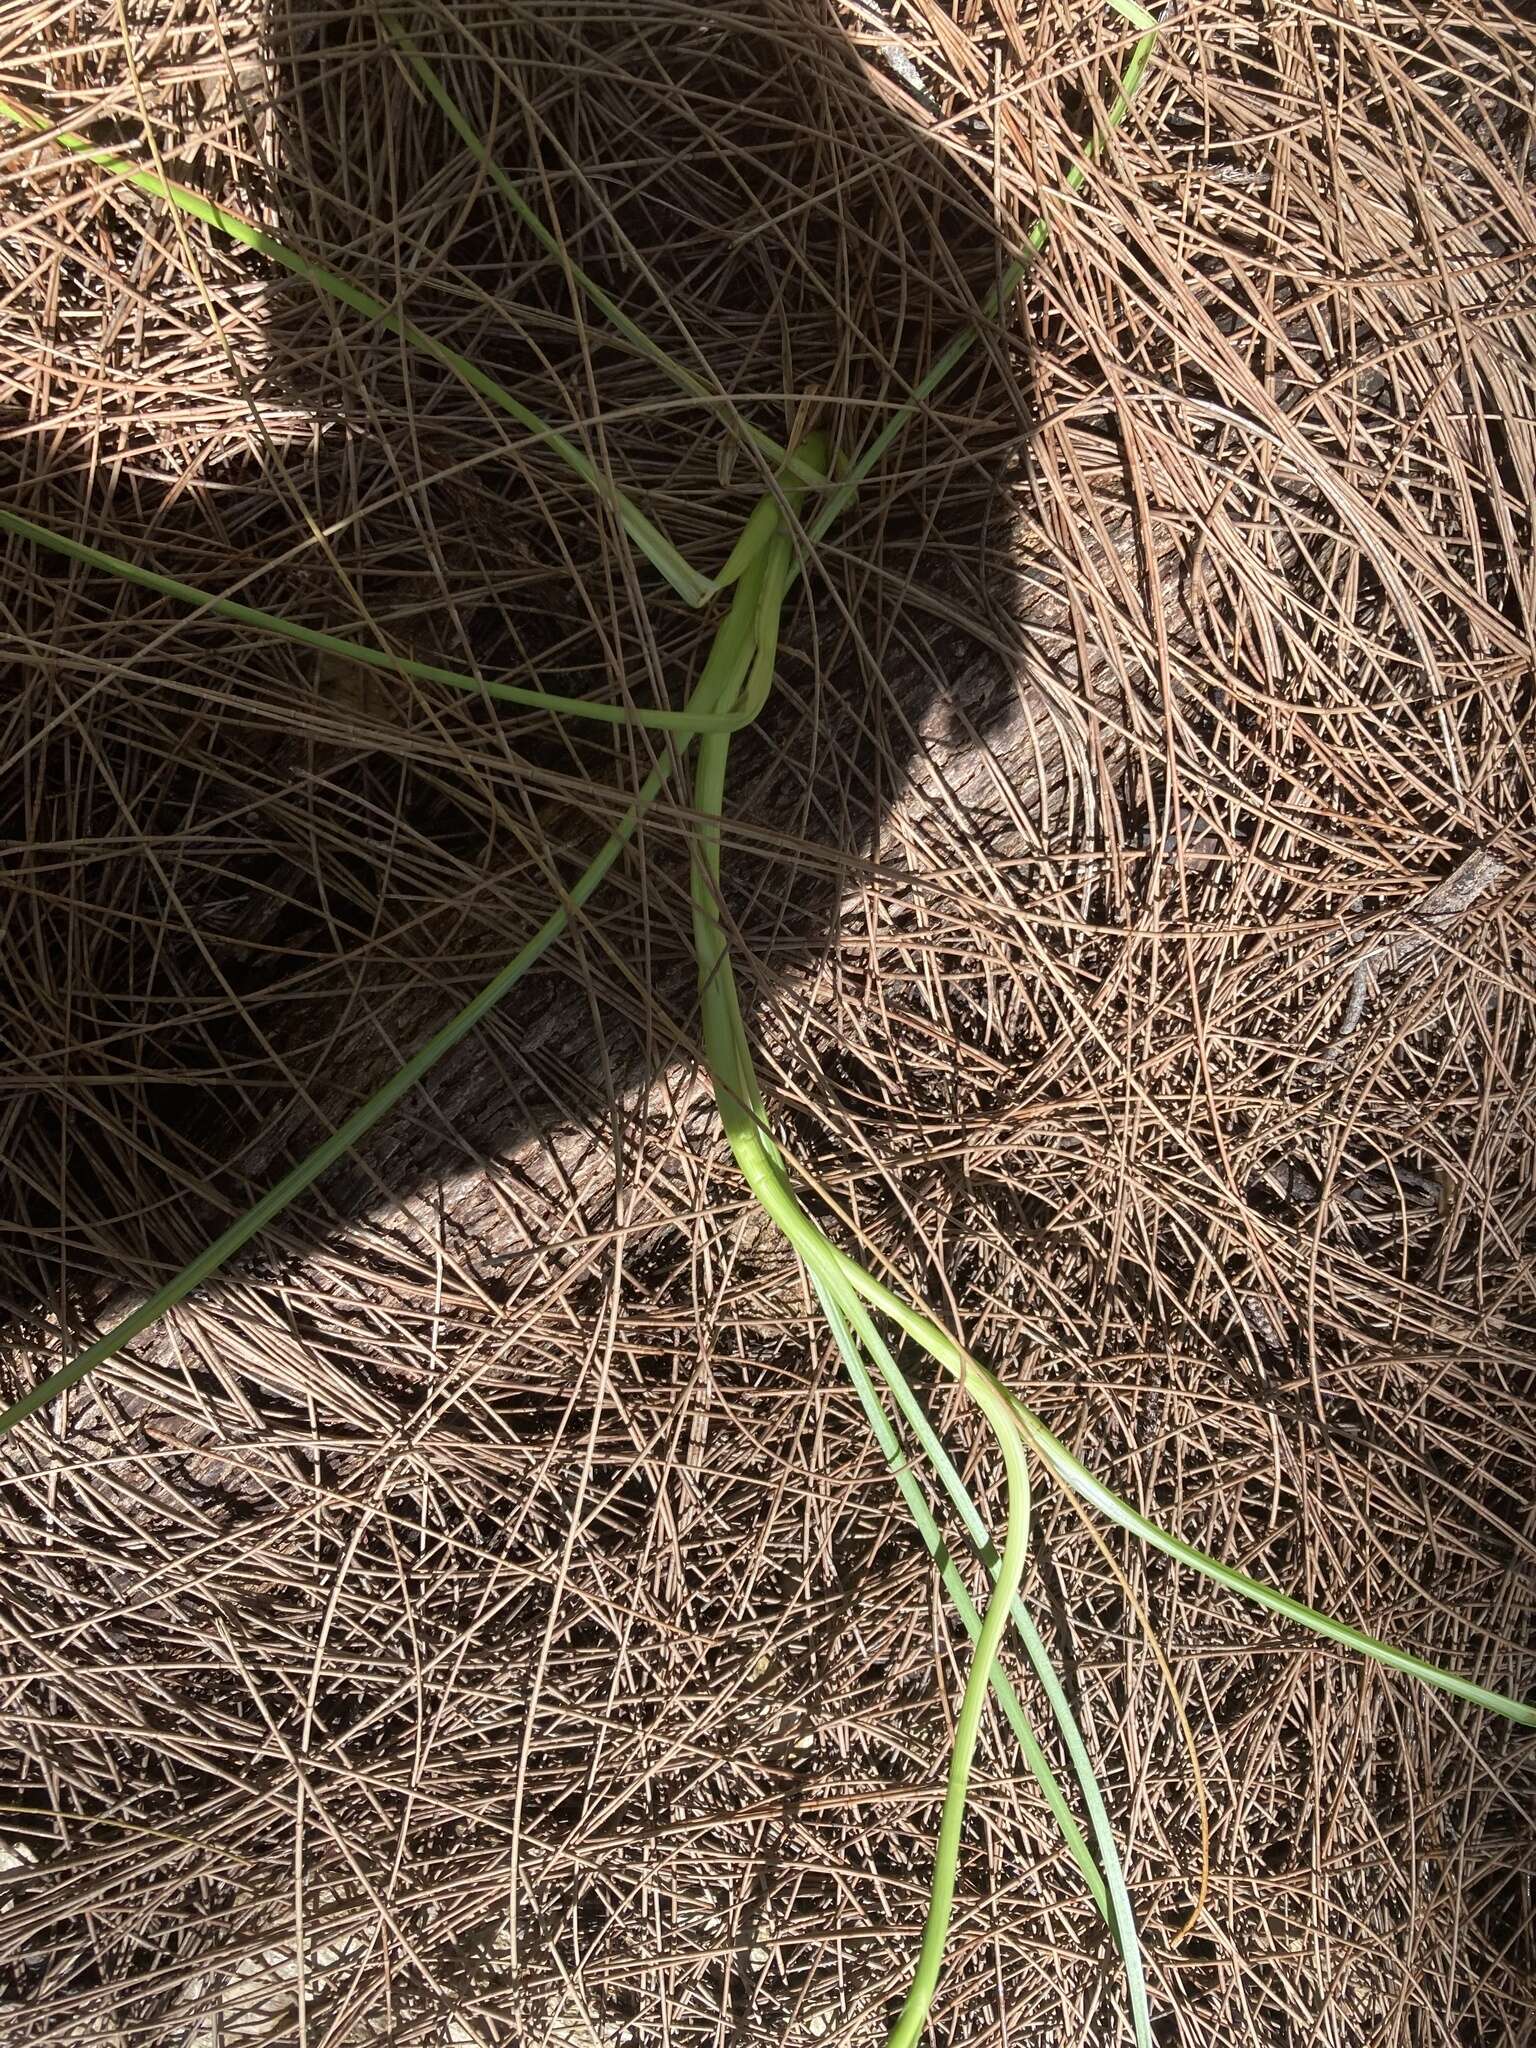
x=1110, y=1893
x=738, y=1100
x=841, y=1281
x=911, y=1491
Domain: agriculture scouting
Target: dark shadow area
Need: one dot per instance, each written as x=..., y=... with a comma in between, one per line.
x=243, y=881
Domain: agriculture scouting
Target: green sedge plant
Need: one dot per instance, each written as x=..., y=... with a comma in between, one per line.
x=809, y=492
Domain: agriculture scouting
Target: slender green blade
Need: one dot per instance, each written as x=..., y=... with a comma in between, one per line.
x=651, y=542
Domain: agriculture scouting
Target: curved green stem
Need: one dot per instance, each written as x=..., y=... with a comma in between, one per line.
x=687, y=721
x=1076, y=1475
x=1010, y=1571
x=686, y=380
x=737, y=1089
x=720, y=683
x=649, y=539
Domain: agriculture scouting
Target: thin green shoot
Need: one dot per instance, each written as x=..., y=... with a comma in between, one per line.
x=945, y=363
x=595, y=711
x=678, y=373
x=1074, y=1474
x=648, y=538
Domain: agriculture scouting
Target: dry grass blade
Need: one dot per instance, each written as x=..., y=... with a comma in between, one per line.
x=486, y=1618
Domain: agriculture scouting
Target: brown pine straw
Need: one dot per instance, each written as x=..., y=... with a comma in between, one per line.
x=483, y=1616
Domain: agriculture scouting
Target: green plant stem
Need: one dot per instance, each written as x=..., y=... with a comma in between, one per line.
x=688, y=721
x=949, y=358
x=949, y=1354
x=679, y=374
x=651, y=542
x=844, y=1309
x=911, y=1491
x=737, y=1098
x=722, y=678
x=1076, y=1475
x=1117, y=1908
x=733, y=1070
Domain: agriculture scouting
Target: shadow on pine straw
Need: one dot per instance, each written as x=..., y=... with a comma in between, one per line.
x=256, y=877
x=562, y=1639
